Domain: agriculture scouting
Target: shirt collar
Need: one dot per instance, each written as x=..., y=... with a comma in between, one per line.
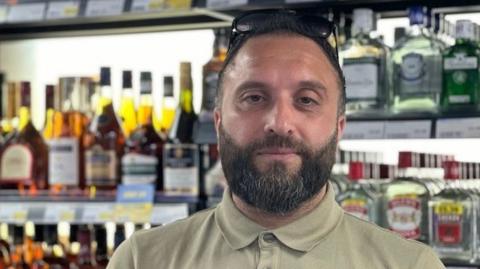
x=303, y=234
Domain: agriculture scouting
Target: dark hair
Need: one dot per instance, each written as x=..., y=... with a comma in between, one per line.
x=284, y=24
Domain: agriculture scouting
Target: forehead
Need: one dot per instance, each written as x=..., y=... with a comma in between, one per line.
x=281, y=57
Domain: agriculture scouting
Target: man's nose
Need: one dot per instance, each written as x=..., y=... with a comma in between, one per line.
x=281, y=119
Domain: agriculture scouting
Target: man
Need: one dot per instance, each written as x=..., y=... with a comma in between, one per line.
x=279, y=116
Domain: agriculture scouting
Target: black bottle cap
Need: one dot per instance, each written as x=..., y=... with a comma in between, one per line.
x=105, y=76
x=50, y=234
x=145, y=82
x=18, y=233
x=25, y=93
x=73, y=233
x=39, y=235
x=127, y=79
x=168, y=86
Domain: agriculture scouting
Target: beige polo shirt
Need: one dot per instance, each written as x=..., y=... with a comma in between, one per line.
x=223, y=237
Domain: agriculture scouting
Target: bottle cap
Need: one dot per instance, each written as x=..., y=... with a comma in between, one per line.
x=39, y=234
x=452, y=170
x=25, y=93
x=185, y=67
x=145, y=83
x=127, y=79
x=405, y=159
x=105, y=76
x=465, y=29
x=355, y=171
x=168, y=86
x=417, y=15
x=363, y=21
x=49, y=96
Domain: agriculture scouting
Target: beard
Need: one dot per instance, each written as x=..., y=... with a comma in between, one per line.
x=276, y=190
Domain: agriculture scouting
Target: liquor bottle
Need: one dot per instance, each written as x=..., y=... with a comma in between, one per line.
x=16, y=253
x=85, y=256
x=142, y=162
x=66, y=166
x=10, y=123
x=357, y=200
x=73, y=246
x=168, y=106
x=119, y=236
x=181, y=172
x=416, y=68
x=101, y=252
x=104, y=142
x=365, y=61
x=204, y=129
x=405, y=204
x=48, y=128
x=127, y=106
x=24, y=159
x=461, y=76
x=453, y=217
x=2, y=132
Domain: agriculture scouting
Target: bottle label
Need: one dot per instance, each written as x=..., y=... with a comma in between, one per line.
x=356, y=207
x=448, y=218
x=460, y=62
x=413, y=68
x=63, y=161
x=361, y=78
x=404, y=216
x=139, y=169
x=16, y=163
x=100, y=166
x=210, y=91
x=181, y=169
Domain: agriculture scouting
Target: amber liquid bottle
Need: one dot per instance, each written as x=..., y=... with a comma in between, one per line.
x=127, y=106
x=167, y=114
x=24, y=158
x=104, y=142
x=142, y=163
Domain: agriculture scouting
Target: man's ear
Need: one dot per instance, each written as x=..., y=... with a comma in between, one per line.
x=217, y=117
x=341, y=122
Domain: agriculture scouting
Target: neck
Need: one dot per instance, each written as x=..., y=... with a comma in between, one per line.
x=272, y=221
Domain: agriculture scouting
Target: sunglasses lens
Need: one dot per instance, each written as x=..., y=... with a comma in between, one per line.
x=248, y=22
x=322, y=27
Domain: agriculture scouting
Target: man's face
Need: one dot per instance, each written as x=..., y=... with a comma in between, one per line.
x=277, y=123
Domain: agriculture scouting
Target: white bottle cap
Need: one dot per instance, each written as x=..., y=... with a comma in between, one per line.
x=465, y=29
x=363, y=21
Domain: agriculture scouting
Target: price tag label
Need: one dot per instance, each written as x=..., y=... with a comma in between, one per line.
x=219, y=4
x=13, y=212
x=147, y=5
x=408, y=129
x=163, y=214
x=3, y=13
x=458, y=128
x=26, y=12
x=364, y=130
x=63, y=9
x=104, y=8
x=97, y=213
x=59, y=212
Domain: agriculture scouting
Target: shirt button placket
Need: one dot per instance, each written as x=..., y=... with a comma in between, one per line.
x=268, y=254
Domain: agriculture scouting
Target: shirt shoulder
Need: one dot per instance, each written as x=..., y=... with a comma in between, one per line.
x=160, y=246
x=385, y=249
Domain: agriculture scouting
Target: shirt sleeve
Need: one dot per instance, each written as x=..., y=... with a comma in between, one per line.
x=122, y=257
x=428, y=259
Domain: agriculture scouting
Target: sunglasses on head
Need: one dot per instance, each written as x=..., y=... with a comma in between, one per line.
x=315, y=25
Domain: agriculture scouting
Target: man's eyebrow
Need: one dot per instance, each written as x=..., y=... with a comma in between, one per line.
x=251, y=84
x=312, y=85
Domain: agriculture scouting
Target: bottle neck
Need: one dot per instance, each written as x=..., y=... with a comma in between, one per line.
x=186, y=95
x=105, y=98
x=24, y=117
x=145, y=110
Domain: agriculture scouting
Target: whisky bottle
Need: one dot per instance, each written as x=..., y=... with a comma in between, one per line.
x=142, y=162
x=181, y=164
x=10, y=122
x=365, y=59
x=104, y=142
x=48, y=129
x=204, y=129
x=66, y=166
x=85, y=256
x=101, y=251
x=127, y=106
x=461, y=78
x=168, y=106
x=119, y=236
x=24, y=159
x=453, y=218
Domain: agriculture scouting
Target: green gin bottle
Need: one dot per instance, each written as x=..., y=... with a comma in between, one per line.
x=461, y=80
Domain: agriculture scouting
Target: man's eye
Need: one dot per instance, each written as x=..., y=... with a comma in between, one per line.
x=306, y=101
x=253, y=98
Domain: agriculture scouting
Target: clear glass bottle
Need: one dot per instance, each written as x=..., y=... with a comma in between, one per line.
x=416, y=67
x=405, y=202
x=365, y=59
x=169, y=105
x=357, y=200
x=453, y=217
x=461, y=75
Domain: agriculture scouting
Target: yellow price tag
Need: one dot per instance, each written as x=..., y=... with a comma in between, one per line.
x=70, y=11
x=449, y=208
x=155, y=5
